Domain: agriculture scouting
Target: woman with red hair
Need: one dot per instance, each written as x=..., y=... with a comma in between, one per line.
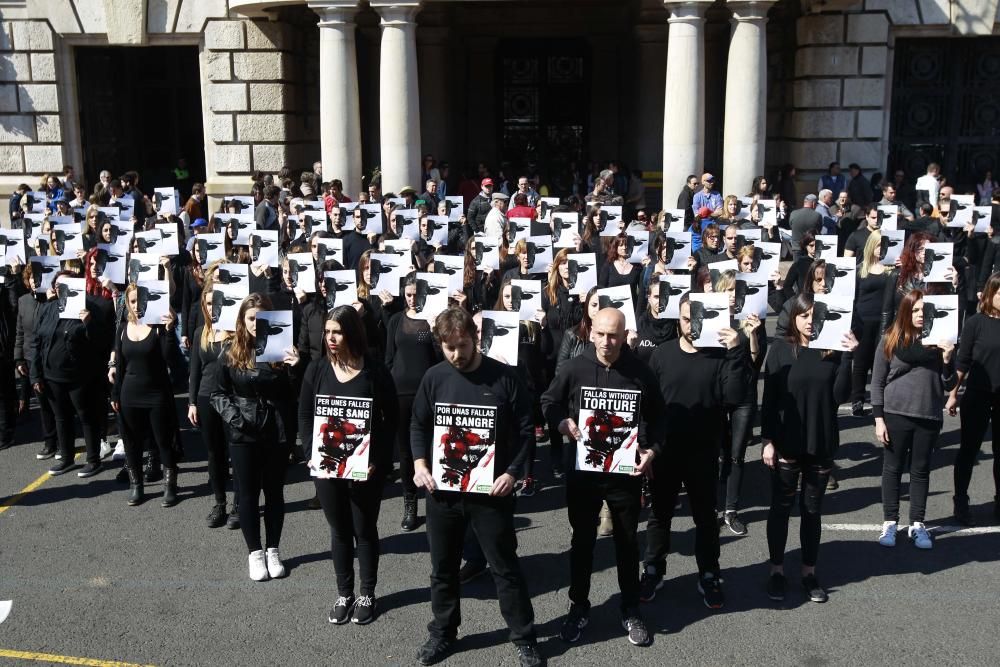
x=910, y=276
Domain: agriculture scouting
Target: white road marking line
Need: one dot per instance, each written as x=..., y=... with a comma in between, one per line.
x=876, y=527
x=5, y=606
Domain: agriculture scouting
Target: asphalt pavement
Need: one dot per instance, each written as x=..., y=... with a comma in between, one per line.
x=91, y=578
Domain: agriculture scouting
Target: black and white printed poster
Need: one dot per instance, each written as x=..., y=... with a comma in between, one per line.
x=609, y=428
x=341, y=438
x=464, y=447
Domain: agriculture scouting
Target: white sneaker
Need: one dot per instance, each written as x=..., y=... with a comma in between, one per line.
x=921, y=538
x=275, y=567
x=258, y=568
x=105, y=449
x=888, y=536
x=119, y=454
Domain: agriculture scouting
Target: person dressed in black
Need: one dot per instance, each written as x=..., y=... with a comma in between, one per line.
x=608, y=367
x=978, y=366
x=207, y=342
x=697, y=385
x=445, y=460
x=409, y=353
x=351, y=505
x=141, y=395
x=908, y=389
x=248, y=397
x=803, y=387
x=27, y=306
x=66, y=363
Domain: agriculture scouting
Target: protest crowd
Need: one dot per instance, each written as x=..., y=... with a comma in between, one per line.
x=476, y=340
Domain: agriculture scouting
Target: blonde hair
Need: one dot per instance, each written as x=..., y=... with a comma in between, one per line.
x=725, y=282
x=869, y=255
x=208, y=331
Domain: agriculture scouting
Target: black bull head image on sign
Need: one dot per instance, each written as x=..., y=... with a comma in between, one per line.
x=558, y=225
x=831, y=275
x=820, y=248
x=575, y=269
x=39, y=270
x=670, y=246
x=143, y=296
x=265, y=329
x=483, y=247
x=759, y=255
x=667, y=292
x=884, y=246
x=64, y=293
x=204, y=248
x=376, y=269
x=491, y=330
x=363, y=216
x=256, y=244
x=929, y=258
x=932, y=312
x=701, y=312
x=823, y=313
x=295, y=269
x=332, y=286
x=220, y=301
x=135, y=270
x=423, y=291
x=743, y=288
x=603, y=218
x=519, y=296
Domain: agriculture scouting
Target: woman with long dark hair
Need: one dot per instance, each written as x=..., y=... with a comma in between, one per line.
x=617, y=269
x=562, y=308
x=910, y=276
x=979, y=368
x=249, y=398
x=141, y=396
x=803, y=388
x=206, y=347
x=351, y=506
x=410, y=351
x=908, y=396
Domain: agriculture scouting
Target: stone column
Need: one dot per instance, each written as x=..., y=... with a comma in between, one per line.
x=399, y=101
x=746, y=96
x=684, y=97
x=340, y=115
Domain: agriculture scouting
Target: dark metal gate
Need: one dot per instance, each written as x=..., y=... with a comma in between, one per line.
x=946, y=107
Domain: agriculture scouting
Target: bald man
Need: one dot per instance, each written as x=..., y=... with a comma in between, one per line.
x=615, y=399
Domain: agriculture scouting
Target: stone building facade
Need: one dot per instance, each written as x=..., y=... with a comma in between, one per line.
x=739, y=87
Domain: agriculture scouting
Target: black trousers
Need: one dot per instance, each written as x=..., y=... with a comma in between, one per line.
x=351, y=509
x=697, y=470
x=213, y=434
x=71, y=400
x=403, y=445
x=864, y=358
x=585, y=492
x=48, y=419
x=260, y=467
x=815, y=474
x=979, y=409
x=8, y=403
x=913, y=438
x=140, y=423
x=734, y=451
x=492, y=519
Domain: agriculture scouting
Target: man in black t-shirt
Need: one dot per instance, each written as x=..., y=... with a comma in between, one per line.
x=855, y=245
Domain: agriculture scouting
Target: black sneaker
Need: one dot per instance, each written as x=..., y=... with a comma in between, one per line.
x=528, y=487
x=233, y=520
x=47, y=453
x=649, y=583
x=529, y=656
x=637, y=633
x=813, y=590
x=62, y=467
x=776, y=587
x=574, y=623
x=471, y=570
x=736, y=527
x=710, y=587
x=434, y=650
x=90, y=470
x=341, y=612
x=217, y=517
x=364, y=610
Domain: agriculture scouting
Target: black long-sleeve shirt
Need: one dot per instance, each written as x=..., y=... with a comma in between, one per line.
x=979, y=353
x=202, y=373
x=696, y=388
x=492, y=384
x=802, y=392
x=142, y=378
x=409, y=352
x=372, y=382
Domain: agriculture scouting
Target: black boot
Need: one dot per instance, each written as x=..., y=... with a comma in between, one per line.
x=135, y=490
x=409, y=522
x=962, y=513
x=233, y=520
x=169, y=487
x=152, y=470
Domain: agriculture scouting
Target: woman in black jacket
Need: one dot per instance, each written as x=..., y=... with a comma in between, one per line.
x=66, y=363
x=351, y=499
x=207, y=343
x=249, y=398
x=24, y=340
x=563, y=309
x=141, y=396
x=410, y=351
x=803, y=388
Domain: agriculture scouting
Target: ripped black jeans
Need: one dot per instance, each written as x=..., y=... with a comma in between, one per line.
x=815, y=474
